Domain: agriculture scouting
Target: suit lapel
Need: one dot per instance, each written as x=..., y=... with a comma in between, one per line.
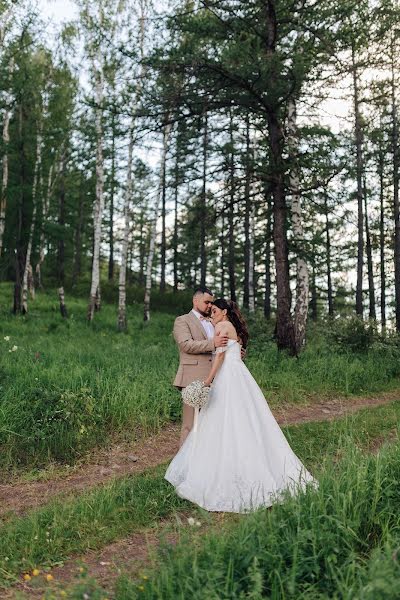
x=197, y=325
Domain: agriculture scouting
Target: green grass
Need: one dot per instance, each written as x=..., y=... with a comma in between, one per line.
x=70, y=386
x=49, y=535
x=323, y=544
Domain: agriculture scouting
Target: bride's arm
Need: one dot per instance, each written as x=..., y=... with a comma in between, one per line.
x=218, y=360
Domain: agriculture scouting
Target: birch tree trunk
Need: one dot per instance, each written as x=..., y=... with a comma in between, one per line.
x=4, y=180
x=153, y=234
x=45, y=211
x=122, y=323
x=302, y=276
x=28, y=268
x=94, y=300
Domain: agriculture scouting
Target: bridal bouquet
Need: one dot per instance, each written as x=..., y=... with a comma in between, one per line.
x=196, y=394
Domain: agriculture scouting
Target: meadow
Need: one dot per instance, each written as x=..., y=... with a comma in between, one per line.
x=68, y=386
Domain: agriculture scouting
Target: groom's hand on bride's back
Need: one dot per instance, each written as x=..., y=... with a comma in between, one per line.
x=220, y=340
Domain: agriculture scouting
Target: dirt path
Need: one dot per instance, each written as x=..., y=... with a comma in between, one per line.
x=120, y=460
x=132, y=555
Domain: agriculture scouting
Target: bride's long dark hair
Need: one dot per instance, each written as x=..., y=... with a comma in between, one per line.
x=235, y=317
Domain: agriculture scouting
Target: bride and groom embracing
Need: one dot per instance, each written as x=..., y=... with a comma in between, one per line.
x=238, y=458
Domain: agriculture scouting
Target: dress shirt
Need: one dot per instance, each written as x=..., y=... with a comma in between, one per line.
x=206, y=324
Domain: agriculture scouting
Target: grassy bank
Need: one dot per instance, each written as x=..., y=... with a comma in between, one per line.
x=340, y=541
x=46, y=536
x=66, y=386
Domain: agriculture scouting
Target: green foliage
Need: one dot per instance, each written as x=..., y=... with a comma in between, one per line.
x=352, y=334
x=315, y=545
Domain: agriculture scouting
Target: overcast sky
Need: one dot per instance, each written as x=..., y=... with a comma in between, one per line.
x=57, y=10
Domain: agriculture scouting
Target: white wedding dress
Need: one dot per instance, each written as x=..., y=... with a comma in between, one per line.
x=238, y=459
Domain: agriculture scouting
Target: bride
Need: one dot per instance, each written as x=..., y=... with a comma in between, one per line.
x=238, y=459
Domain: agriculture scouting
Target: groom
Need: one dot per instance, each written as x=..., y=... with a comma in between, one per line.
x=194, y=334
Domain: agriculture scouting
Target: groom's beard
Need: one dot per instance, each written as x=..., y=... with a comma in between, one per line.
x=205, y=314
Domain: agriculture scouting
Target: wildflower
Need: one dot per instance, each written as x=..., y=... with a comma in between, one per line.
x=81, y=570
x=191, y=521
x=49, y=577
x=198, y=523
x=141, y=588
x=63, y=593
x=7, y=338
x=144, y=577
x=14, y=348
x=35, y=572
x=27, y=577
x=6, y=558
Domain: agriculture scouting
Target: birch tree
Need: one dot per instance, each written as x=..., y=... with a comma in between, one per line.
x=302, y=276
x=36, y=177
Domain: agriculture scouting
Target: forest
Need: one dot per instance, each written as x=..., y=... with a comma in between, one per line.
x=148, y=147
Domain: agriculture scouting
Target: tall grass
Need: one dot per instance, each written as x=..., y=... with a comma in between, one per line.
x=50, y=534
x=316, y=545
x=69, y=385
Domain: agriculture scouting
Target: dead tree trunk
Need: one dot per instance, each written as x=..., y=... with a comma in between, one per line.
x=153, y=234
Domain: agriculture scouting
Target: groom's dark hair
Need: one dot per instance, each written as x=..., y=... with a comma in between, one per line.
x=202, y=289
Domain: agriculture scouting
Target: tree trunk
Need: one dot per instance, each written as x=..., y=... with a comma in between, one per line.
x=231, y=215
x=302, y=278
x=28, y=268
x=285, y=330
x=176, y=224
x=247, y=209
x=111, y=227
x=314, y=298
x=359, y=171
x=163, y=252
x=4, y=181
x=122, y=322
x=267, y=285
x=20, y=255
x=371, y=285
x=222, y=255
x=251, y=288
x=45, y=211
x=153, y=234
x=78, y=236
x=381, y=163
x=396, y=163
x=61, y=224
x=63, y=308
x=94, y=300
x=328, y=255
x=203, y=205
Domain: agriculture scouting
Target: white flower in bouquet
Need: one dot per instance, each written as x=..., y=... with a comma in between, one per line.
x=196, y=394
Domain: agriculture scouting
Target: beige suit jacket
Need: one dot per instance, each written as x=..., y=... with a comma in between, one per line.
x=194, y=350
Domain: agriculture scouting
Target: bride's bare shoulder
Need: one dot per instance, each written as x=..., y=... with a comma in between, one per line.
x=226, y=328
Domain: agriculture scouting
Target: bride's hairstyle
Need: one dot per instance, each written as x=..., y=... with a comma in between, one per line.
x=235, y=317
